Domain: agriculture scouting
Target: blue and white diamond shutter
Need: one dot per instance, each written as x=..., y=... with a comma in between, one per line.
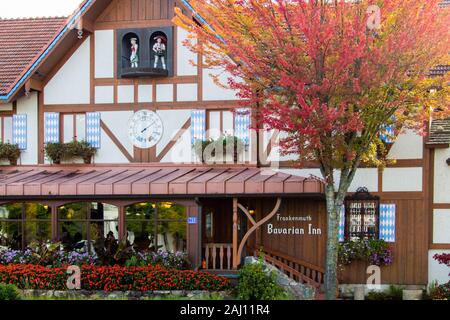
x=198, y=125
x=93, y=130
x=51, y=127
x=20, y=130
x=341, y=228
x=198, y=128
x=387, y=222
x=242, y=125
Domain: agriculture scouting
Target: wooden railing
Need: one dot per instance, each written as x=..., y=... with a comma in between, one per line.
x=218, y=256
x=300, y=271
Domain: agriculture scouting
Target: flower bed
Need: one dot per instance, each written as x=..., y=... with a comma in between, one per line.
x=115, y=278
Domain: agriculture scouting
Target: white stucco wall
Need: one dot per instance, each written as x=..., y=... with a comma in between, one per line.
x=184, y=55
x=104, y=94
x=29, y=106
x=181, y=151
x=71, y=84
x=187, y=92
x=164, y=92
x=172, y=121
x=104, y=53
x=145, y=93
x=402, y=179
x=408, y=145
x=117, y=122
x=441, y=176
x=441, y=226
x=125, y=94
x=211, y=91
x=437, y=272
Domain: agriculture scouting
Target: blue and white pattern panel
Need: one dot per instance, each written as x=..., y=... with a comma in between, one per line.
x=198, y=125
x=20, y=130
x=387, y=222
x=93, y=130
x=387, y=134
x=242, y=125
x=51, y=127
x=341, y=227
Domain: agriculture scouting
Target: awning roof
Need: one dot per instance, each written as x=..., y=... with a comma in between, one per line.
x=49, y=182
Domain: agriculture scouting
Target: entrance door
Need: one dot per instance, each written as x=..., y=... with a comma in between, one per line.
x=217, y=230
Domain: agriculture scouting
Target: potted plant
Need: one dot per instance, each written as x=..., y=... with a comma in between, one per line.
x=231, y=145
x=200, y=146
x=55, y=151
x=81, y=149
x=10, y=152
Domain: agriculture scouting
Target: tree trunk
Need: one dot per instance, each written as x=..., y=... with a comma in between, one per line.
x=331, y=282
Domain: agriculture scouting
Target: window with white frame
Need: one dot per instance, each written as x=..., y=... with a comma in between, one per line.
x=6, y=132
x=73, y=127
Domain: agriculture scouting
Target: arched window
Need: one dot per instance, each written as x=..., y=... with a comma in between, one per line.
x=83, y=225
x=156, y=226
x=23, y=223
x=130, y=50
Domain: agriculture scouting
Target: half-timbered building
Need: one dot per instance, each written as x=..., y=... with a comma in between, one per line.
x=117, y=75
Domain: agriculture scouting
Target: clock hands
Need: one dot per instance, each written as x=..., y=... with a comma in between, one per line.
x=145, y=129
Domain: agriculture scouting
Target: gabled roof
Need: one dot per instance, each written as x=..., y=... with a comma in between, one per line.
x=21, y=40
x=47, y=36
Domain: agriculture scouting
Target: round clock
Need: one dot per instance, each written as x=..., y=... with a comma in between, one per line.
x=145, y=129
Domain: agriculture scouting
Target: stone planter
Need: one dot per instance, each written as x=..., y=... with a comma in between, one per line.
x=412, y=294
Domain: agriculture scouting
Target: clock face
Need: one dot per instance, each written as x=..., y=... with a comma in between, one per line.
x=145, y=129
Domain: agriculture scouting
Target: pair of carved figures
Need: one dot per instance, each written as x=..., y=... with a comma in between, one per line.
x=159, y=51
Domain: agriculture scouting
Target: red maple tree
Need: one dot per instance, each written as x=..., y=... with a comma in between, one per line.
x=330, y=75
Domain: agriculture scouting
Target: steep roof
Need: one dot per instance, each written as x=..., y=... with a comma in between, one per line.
x=439, y=133
x=21, y=41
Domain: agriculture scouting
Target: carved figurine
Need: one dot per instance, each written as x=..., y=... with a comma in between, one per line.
x=160, y=51
x=134, y=59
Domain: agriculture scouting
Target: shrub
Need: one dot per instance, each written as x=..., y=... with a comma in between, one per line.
x=257, y=284
x=177, y=260
x=10, y=152
x=440, y=292
x=112, y=278
x=46, y=254
x=9, y=292
x=394, y=293
x=374, y=251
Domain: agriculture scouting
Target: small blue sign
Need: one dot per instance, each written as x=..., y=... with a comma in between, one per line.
x=192, y=220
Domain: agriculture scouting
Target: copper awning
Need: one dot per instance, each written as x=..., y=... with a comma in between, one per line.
x=155, y=181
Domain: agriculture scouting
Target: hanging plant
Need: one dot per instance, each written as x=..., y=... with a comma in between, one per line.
x=10, y=152
x=373, y=251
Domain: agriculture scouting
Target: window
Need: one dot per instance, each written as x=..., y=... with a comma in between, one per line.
x=362, y=211
x=219, y=122
x=23, y=223
x=161, y=226
x=209, y=225
x=73, y=127
x=84, y=225
x=6, y=135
